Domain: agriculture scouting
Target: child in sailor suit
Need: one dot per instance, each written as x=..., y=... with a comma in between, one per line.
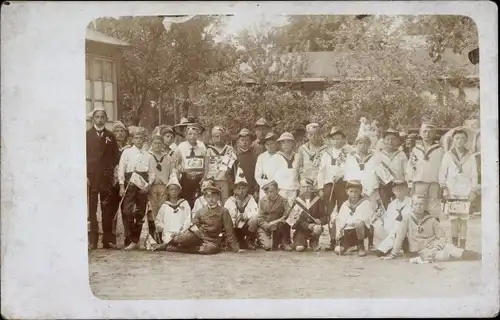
x=266, y=166
x=459, y=181
x=423, y=169
x=287, y=174
x=387, y=225
x=243, y=210
x=174, y=215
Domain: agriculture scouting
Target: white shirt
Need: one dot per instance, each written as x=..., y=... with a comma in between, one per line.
x=390, y=222
x=250, y=210
x=331, y=166
x=185, y=162
x=450, y=169
x=361, y=211
x=424, y=163
x=173, y=217
x=396, y=162
x=358, y=168
x=287, y=178
x=133, y=159
x=265, y=169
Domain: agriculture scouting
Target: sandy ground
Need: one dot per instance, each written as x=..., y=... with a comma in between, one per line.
x=259, y=274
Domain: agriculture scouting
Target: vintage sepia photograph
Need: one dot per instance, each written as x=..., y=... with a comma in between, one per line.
x=283, y=156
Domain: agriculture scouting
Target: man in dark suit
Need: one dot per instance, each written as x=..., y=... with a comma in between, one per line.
x=102, y=157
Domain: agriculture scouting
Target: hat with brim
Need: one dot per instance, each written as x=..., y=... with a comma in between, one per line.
x=312, y=126
x=262, y=123
x=354, y=184
x=391, y=131
x=286, y=136
x=164, y=129
x=269, y=184
x=245, y=133
x=362, y=138
x=210, y=181
x=335, y=131
x=399, y=183
x=211, y=190
x=118, y=125
x=271, y=136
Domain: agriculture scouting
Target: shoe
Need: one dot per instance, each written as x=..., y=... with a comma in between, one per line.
x=287, y=247
x=250, y=245
x=132, y=246
x=300, y=248
x=340, y=251
x=109, y=246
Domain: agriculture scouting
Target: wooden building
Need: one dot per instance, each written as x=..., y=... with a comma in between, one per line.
x=102, y=66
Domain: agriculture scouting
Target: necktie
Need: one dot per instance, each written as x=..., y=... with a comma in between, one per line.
x=191, y=154
x=100, y=133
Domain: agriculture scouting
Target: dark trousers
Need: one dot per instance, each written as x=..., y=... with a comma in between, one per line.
x=352, y=237
x=188, y=242
x=134, y=209
x=386, y=194
x=107, y=217
x=191, y=188
x=338, y=197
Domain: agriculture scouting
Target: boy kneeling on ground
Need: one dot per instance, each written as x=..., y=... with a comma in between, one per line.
x=307, y=217
x=243, y=210
x=426, y=239
x=353, y=220
x=273, y=232
x=208, y=223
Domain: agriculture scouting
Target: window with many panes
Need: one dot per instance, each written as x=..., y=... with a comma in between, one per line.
x=100, y=82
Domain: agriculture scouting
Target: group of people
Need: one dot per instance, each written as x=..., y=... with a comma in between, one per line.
x=270, y=192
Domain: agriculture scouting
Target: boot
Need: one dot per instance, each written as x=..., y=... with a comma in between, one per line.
x=250, y=243
x=462, y=243
x=454, y=241
x=361, y=248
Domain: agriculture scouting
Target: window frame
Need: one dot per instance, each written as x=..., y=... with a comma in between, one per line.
x=89, y=69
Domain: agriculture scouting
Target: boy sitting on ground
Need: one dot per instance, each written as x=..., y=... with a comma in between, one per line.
x=426, y=239
x=273, y=232
x=243, y=210
x=353, y=220
x=307, y=217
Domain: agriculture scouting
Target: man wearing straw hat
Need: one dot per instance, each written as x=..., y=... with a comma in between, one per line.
x=190, y=157
x=102, y=157
x=262, y=128
x=136, y=175
x=423, y=168
x=310, y=153
x=207, y=226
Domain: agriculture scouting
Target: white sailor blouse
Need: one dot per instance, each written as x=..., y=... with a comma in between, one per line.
x=287, y=174
x=331, y=167
x=424, y=163
x=173, y=217
x=265, y=169
x=351, y=213
x=240, y=213
x=395, y=163
x=361, y=168
x=456, y=166
x=309, y=161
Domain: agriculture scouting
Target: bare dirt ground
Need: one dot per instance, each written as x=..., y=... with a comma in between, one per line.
x=285, y=275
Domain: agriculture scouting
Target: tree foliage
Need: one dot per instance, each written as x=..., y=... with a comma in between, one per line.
x=257, y=74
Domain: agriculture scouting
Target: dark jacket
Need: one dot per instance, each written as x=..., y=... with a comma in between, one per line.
x=102, y=157
x=247, y=161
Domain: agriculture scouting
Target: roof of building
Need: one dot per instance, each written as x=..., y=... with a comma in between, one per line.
x=96, y=36
x=359, y=65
